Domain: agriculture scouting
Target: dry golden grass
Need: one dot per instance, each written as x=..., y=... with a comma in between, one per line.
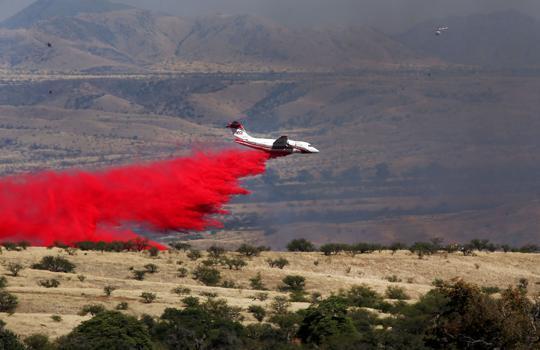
x=323, y=274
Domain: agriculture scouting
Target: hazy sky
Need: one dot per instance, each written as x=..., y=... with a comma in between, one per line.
x=389, y=15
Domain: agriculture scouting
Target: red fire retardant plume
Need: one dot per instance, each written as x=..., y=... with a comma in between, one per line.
x=73, y=206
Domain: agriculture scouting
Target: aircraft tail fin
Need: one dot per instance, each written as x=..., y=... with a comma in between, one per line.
x=237, y=129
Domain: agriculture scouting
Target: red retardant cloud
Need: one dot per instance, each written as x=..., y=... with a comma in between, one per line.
x=74, y=206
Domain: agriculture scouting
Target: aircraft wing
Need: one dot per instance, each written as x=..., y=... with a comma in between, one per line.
x=281, y=143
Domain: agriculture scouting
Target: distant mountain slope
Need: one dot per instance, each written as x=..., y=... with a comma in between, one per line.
x=46, y=9
x=91, y=35
x=500, y=39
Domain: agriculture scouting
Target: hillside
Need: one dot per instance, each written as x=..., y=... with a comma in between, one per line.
x=102, y=36
x=323, y=274
x=500, y=39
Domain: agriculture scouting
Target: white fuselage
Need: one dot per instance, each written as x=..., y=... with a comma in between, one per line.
x=243, y=138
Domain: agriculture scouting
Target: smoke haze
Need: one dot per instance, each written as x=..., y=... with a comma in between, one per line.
x=386, y=15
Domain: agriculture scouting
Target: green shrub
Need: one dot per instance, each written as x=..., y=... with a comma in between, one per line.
x=256, y=282
x=14, y=268
x=148, y=297
x=8, y=339
x=108, y=290
x=8, y=302
x=181, y=246
x=293, y=283
x=279, y=262
x=298, y=296
x=56, y=318
x=181, y=290
x=234, y=263
x=215, y=252
x=300, y=245
x=491, y=290
x=209, y=294
x=207, y=275
x=258, y=312
x=396, y=293
x=138, y=274
x=81, y=278
x=228, y=284
x=153, y=251
x=38, y=342
x=393, y=279
x=50, y=283
x=3, y=282
x=54, y=264
x=194, y=254
x=191, y=301
x=182, y=272
x=122, y=306
x=92, y=309
x=249, y=250
x=280, y=305
x=151, y=268
x=261, y=296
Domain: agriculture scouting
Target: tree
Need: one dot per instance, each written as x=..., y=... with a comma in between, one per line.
x=14, y=268
x=148, y=297
x=279, y=263
x=8, y=302
x=207, y=275
x=396, y=293
x=256, y=282
x=258, y=312
x=215, y=252
x=107, y=330
x=294, y=283
x=8, y=339
x=196, y=328
x=234, y=263
x=324, y=320
x=92, y=309
x=54, y=264
x=38, y=342
x=300, y=245
x=248, y=250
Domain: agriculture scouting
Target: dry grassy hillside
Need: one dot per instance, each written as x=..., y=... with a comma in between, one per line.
x=323, y=274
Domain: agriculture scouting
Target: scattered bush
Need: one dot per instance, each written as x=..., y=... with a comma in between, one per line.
x=181, y=246
x=249, y=250
x=56, y=318
x=8, y=302
x=228, y=284
x=92, y=309
x=8, y=339
x=293, y=283
x=138, y=274
x=393, y=279
x=261, y=296
x=256, y=282
x=153, y=251
x=280, y=305
x=50, y=283
x=491, y=290
x=258, y=312
x=279, y=262
x=38, y=342
x=10, y=246
x=207, y=275
x=151, y=268
x=215, y=252
x=298, y=296
x=14, y=268
x=191, y=301
x=235, y=263
x=182, y=272
x=181, y=290
x=194, y=254
x=396, y=293
x=209, y=294
x=54, y=264
x=122, y=306
x=81, y=278
x=108, y=290
x=148, y=297
x=300, y=245
x=3, y=282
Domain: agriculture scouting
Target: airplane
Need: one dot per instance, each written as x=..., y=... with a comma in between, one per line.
x=280, y=146
x=440, y=30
